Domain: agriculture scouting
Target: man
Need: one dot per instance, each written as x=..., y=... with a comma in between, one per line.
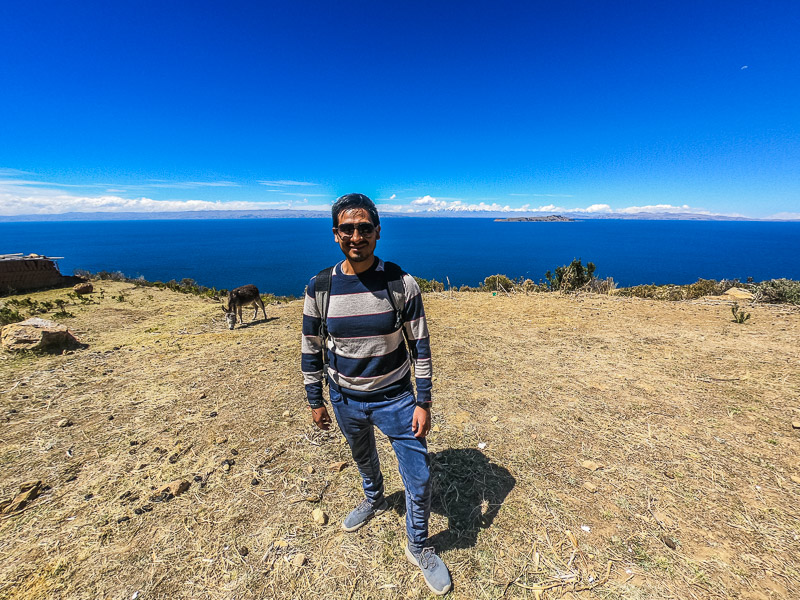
x=368, y=370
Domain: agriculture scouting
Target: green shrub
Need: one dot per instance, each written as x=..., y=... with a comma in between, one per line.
x=702, y=287
x=29, y=305
x=185, y=286
x=739, y=316
x=784, y=291
x=429, y=285
x=600, y=286
x=494, y=283
x=9, y=315
x=570, y=277
x=653, y=292
x=62, y=313
x=709, y=287
x=272, y=298
x=111, y=276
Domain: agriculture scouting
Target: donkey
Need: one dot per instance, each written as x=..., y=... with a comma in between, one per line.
x=247, y=295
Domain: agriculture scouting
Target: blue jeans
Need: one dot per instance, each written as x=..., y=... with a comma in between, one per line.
x=392, y=415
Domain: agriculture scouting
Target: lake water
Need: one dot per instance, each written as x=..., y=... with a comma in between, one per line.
x=280, y=255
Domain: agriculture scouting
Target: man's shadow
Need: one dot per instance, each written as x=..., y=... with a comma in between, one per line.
x=468, y=489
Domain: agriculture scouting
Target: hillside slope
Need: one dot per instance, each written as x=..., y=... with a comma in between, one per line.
x=614, y=428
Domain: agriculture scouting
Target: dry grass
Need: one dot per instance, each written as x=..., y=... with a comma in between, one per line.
x=688, y=413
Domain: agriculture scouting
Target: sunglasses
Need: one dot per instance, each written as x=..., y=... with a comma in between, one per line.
x=348, y=229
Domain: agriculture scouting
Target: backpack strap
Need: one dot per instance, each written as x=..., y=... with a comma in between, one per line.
x=397, y=291
x=322, y=296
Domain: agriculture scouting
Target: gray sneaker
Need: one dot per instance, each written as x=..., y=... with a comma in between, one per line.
x=363, y=513
x=436, y=575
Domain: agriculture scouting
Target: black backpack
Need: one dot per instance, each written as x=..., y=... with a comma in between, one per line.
x=322, y=294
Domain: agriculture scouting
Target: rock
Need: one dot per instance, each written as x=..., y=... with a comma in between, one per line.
x=83, y=288
x=436, y=429
x=286, y=413
x=668, y=541
x=176, y=488
x=65, y=423
x=495, y=419
x=320, y=516
x=337, y=466
x=37, y=334
x=221, y=440
x=27, y=491
x=254, y=481
x=795, y=424
x=299, y=559
x=310, y=470
x=201, y=396
x=244, y=551
x=739, y=293
x=589, y=486
x=283, y=544
x=591, y=465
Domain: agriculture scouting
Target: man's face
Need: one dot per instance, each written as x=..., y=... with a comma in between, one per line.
x=356, y=247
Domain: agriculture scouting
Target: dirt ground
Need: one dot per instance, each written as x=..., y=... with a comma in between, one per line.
x=585, y=446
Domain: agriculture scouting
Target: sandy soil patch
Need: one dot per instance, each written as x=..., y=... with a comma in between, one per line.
x=628, y=449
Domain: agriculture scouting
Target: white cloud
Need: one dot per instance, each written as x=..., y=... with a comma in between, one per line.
x=393, y=196
x=786, y=216
x=62, y=203
x=598, y=208
x=18, y=197
x=662, y=208
x=428, y=203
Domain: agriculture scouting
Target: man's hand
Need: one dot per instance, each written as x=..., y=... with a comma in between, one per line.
x=321, y=417
x=421, y=422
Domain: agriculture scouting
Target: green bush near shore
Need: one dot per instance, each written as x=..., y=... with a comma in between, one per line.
x=184, y=286
x=702, y=287
x=775, y=291
x=783, y=291
x=574, y=277
x=429, y=285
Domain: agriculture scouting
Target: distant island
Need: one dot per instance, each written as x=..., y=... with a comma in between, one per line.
x=549, y=218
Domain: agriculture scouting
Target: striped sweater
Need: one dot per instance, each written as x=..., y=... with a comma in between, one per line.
x=367, y=356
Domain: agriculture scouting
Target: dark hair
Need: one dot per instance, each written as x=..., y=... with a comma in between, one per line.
x=351, y=201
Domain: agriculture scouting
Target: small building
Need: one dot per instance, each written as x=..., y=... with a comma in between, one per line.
x=20, y=273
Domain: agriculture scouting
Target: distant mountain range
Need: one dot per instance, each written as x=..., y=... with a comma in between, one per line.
x=318, y=214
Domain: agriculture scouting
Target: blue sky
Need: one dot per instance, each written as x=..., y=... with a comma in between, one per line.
x=593, y=106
